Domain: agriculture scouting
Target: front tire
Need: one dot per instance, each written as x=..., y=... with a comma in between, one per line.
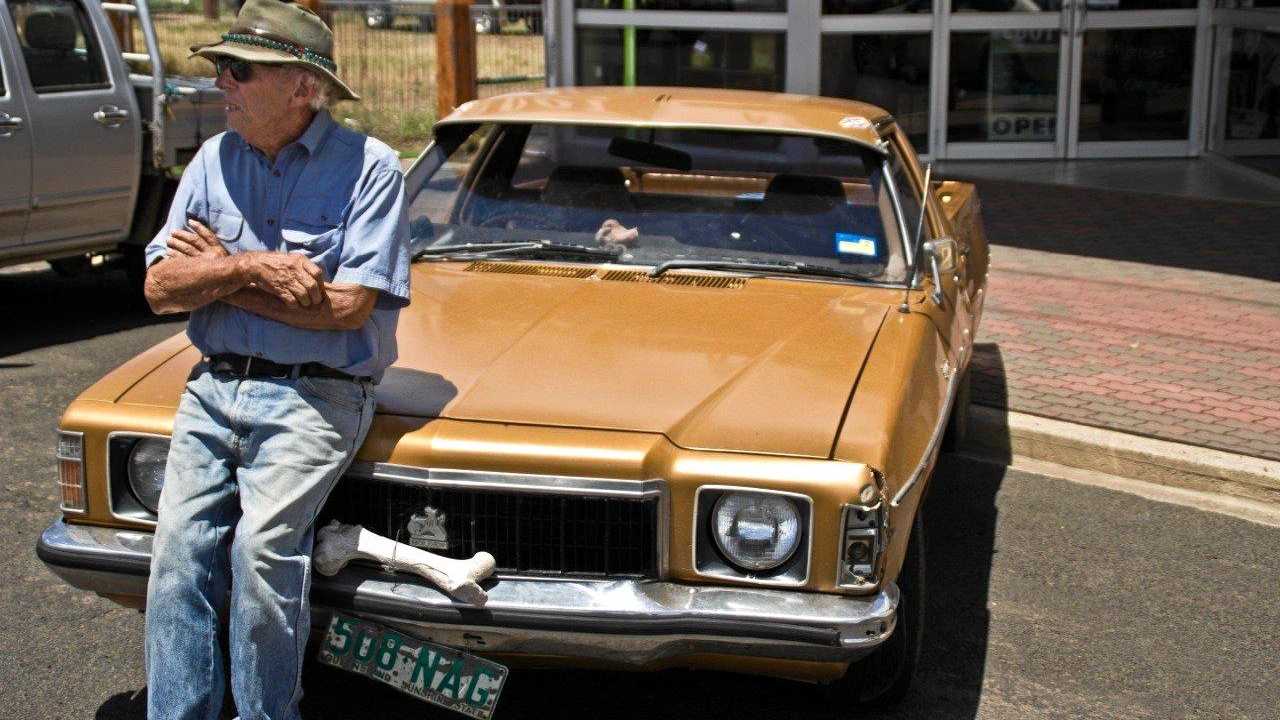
x=958, y=421
x=884, y=677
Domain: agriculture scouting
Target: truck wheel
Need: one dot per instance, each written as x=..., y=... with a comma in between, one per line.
x=883, y=677
x=135, y=268
x=958, y=421
x=147, y=223
x=71, y=266
x=378, y=16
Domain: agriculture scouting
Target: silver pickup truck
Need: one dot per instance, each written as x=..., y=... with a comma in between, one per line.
x=87, y=145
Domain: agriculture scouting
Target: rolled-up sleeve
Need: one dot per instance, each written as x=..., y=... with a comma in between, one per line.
x=375, y=246
x=188, y=198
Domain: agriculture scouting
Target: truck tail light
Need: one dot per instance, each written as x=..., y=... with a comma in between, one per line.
x=71, y=470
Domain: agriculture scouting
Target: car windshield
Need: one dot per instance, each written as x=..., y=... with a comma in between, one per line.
x=655, y=195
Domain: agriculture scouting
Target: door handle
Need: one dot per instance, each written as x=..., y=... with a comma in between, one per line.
x=8, y=124
x=110, y=116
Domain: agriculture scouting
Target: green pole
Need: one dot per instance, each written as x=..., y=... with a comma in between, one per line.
x=629, y=48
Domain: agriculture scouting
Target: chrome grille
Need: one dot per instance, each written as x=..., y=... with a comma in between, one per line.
x=527, y=533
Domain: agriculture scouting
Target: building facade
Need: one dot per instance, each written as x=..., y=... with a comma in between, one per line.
x=966, y=79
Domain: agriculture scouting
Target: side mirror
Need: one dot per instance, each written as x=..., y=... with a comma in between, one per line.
x=942, y=259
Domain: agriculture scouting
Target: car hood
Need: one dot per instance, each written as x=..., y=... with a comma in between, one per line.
x=713, y=362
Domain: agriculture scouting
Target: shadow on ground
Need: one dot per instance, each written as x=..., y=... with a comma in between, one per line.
x=1235, y=238
x=960, y=523
x=42, y=308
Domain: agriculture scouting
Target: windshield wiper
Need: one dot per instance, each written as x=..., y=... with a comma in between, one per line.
x=763, y=266
x=534, y=247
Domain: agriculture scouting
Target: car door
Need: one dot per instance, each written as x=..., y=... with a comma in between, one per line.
x=15, y=149
x=85, y=132
x=954, y=310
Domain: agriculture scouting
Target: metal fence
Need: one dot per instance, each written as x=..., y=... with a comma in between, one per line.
x=387, y=53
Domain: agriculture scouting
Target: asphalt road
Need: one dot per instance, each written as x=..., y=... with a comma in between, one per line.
x=1047, y=599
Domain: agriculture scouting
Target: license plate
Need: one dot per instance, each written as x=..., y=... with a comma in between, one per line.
x=440, y=675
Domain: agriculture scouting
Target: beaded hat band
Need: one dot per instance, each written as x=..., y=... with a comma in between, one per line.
x=298, y=51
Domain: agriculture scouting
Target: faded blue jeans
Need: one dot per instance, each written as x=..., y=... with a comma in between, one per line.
x=251, y=463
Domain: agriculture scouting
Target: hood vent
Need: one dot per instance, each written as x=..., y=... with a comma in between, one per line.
x=529, y=269
x=710, y=281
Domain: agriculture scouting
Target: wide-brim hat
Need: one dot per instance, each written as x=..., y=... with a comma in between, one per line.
x=273, y=32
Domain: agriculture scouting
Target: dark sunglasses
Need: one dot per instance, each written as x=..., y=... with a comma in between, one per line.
x=241, y=71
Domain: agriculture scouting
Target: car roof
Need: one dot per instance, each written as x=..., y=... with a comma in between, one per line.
x=684, y=107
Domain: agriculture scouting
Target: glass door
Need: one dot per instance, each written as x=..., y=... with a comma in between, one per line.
x=1075, y=78
x=1006, y=67
x=1137, y=73
x=1246, y=102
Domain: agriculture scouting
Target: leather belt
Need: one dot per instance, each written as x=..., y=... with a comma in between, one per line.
x=252, y=367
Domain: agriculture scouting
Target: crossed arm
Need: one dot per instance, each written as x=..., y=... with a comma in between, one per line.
x=280, y=286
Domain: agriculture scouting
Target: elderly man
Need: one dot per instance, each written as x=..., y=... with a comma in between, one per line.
x=287, y=242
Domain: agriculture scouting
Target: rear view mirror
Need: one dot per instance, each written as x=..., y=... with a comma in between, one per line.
x=650, y=154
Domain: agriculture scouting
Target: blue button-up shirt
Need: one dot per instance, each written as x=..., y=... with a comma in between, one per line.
x=333, y=195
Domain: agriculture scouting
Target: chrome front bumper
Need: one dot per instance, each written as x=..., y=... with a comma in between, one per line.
x=626, y=622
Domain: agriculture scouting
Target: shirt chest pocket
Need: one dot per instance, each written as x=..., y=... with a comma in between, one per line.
x=228, y=226
x=312, y=227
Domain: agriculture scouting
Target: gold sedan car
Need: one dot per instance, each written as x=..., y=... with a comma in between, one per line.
x=681, y=360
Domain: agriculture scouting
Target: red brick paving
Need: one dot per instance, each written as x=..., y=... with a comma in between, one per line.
x=1167, y=347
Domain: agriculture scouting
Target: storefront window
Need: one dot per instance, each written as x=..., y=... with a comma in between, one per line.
x=1056, y=5
x=1252, y=131
x=1136, y=84
x=882, y=7
x=891, y=71
x=1020, y=6
x=1003, y=86
x=718, y=5
x=695, y=58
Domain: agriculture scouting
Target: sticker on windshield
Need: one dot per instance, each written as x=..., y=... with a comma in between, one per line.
x=853, y=244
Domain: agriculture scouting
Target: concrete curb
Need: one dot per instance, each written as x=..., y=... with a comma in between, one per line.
x=1001, y=436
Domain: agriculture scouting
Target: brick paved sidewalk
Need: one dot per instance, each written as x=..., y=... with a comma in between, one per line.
x=1141, y=313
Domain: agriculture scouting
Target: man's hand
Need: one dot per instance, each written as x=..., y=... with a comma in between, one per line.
x=291, y=278
x=346, y=306
x=294, y=279
x=199, y=241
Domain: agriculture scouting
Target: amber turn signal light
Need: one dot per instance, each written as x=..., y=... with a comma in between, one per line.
x=71, y=470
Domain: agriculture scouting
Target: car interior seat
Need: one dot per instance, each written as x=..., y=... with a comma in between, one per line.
x=807, y=215
x=50, y=51
x=581, y=198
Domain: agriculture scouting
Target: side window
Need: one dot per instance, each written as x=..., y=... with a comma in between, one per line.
x=58, y=45
x=908, y=198
x=434, y=201
x=536, y=161
x=2, y=90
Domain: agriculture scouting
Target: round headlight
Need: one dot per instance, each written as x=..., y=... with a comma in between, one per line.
x=756, y=531
x=146, y=471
